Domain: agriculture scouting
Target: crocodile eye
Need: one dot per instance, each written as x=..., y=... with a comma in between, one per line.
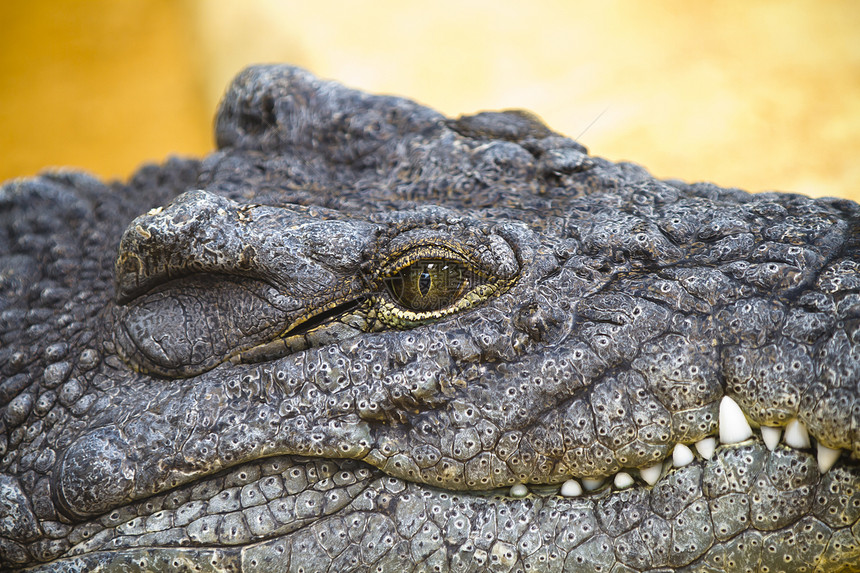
x=428, y=279
x=427, y=285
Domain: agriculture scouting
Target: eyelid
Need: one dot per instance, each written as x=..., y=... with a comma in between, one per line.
x=418, y=253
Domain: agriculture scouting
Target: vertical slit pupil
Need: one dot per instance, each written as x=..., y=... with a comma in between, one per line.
x=427, y=285
x=425, y=281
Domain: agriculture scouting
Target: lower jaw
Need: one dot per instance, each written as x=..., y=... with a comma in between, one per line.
x=745, y=505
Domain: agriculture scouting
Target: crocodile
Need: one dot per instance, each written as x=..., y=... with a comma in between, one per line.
x=363, y=336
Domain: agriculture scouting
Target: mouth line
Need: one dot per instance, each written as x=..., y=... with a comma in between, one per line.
x=146, y=542
x=733, y=428
x=268, y=499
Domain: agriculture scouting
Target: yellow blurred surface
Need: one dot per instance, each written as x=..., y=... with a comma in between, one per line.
x=101, y=85
x=759, y=95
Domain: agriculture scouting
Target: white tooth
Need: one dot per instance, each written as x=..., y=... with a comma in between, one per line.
x=826, y=458
x=591, y=484
x=571, y=488
x=519, y=490
x=706, y=447
x=623, y=480
x=771, y=436
x=796, y=435
x=681, y=456
x=652, y=473
x=734, y=427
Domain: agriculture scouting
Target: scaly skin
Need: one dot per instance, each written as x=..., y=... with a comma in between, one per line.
x=209, y=368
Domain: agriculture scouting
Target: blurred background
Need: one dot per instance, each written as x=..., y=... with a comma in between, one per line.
x=754, y=94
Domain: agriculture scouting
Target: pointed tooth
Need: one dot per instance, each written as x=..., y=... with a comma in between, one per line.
x=826, y=458
x=519, y=490
x=706, y=447
x=734, y=427
x=623, y=480
x=771, y=436
x=591, y=484
x=652, y=473
x=681, y=456
x=571, y=488
x=796, y=434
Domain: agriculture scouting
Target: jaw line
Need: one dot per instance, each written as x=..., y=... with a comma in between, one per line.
x=108, y=545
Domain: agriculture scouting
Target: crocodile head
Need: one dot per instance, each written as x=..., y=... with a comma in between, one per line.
x=361, y=336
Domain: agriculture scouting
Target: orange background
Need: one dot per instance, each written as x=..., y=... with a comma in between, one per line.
x=755, y=94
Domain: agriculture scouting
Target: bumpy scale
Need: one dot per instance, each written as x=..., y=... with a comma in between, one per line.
x=361, y=336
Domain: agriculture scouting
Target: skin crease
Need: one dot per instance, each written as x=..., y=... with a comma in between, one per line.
x=207, y=367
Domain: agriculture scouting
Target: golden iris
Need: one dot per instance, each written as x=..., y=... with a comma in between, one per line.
x=429, y=284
